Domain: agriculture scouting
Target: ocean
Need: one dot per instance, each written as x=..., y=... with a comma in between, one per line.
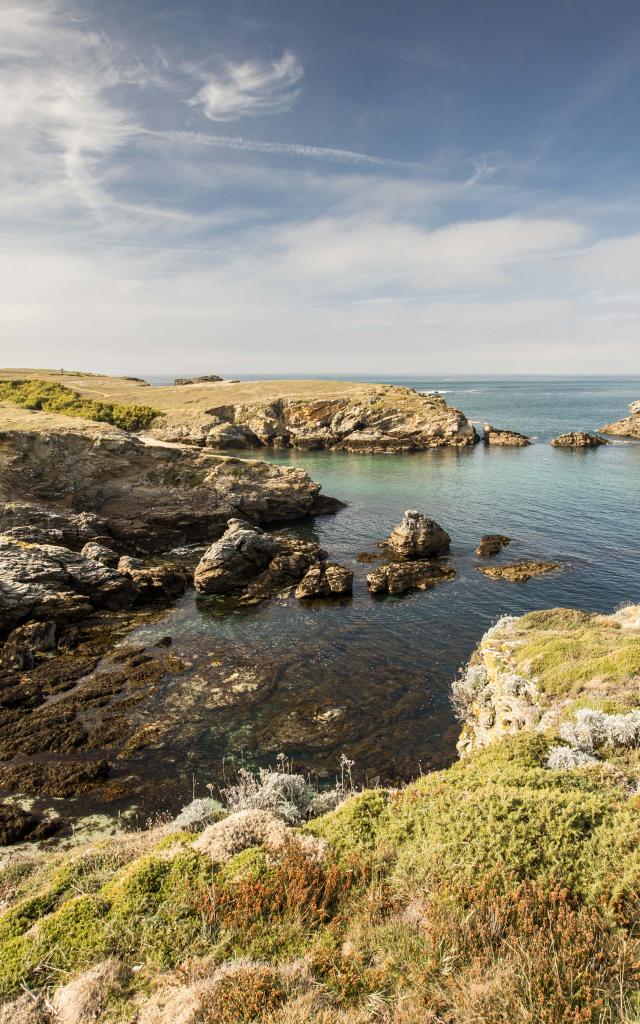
x=370, y=677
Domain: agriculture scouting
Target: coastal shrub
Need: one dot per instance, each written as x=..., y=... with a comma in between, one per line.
x=562, y=758
x=195, y=817
x=467, y=690
x=591, y=730
x=285, y=794
x=50, y=397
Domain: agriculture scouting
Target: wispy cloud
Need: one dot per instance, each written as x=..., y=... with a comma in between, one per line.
x=250, y=88
x=295, y=149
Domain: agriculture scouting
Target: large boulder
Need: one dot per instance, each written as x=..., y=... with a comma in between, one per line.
x=418, y=537
x=326, y=579
x=579, y=439
x=492, y=544
x=240, y=555
x=505, y=438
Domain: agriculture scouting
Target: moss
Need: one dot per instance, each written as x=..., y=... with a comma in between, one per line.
x=56, y=398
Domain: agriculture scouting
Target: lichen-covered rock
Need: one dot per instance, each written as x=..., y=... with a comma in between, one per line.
x=519, y=572
x=101, y=553
x=326, y=579
x=398, y=577
x=506, y=438
x=492, y=544
x=627, y=427
x=578, y=439
x=418, y=537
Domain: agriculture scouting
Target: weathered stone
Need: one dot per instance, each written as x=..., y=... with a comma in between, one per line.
x=101, y=553
x=519, y=572
x=37, y=524
x=154, y=582
x=48, y=582
x=418, y=537
x=398, y=577
x=506, y=438
x=579, y=439
x=627, y=427
x=492, y=544
x=325, y=579
x=238, y=557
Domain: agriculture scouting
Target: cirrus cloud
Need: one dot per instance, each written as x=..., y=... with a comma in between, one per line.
x=249, y=88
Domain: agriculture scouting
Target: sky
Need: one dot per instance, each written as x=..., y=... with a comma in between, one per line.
x=320, y=187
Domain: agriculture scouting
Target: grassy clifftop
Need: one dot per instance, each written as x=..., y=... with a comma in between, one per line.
x=505, y=889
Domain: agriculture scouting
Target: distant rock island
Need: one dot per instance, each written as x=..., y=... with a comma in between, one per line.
x=627, y=427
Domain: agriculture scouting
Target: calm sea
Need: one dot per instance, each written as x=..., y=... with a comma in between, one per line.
x=371, y=677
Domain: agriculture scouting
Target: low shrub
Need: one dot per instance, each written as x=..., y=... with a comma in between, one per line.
x=50, y=397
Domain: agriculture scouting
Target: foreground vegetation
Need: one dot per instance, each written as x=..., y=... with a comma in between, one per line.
x=52, y=397
x=496, y=891
x=503, y=890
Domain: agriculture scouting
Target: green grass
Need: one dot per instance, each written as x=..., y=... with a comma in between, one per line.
x=50, y=397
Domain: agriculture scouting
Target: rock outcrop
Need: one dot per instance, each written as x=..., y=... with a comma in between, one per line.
x=578, y=439
x=399, y=577
x=386, y=419
x=211, y=378
x=251, y=565
x=492, y=544
x=505, y=438
x=513, y=684
x=76, y=484
x=627, y=427
x=326, y=579
x=519, y=572
x=418, y=537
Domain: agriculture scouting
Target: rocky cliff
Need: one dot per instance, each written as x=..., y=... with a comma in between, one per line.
x=386, y=419
x=627, y=427
x=538, y=671
x=147, y=498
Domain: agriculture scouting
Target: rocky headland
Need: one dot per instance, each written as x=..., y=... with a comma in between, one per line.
x=360, y=418
x=629, y=426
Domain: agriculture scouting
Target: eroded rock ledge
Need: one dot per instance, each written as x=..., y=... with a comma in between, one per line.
x=383, y=419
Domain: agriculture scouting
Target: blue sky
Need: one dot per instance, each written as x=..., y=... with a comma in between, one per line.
x=320, y=187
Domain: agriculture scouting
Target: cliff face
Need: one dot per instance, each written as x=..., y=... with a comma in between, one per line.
x=627, y=427
x=147, y=497
x=537, y=671
x=386, y=419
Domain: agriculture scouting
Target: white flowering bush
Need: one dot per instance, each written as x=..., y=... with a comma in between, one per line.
x=562, y=758
x=591, y=730
x=197, y=815
x=468, y=690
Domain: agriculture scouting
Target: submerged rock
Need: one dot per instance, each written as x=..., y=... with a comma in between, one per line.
x=326, y=579
x=579, y=439
x=519, y=572
x=506, y=438
x=398, y=577
x=17, y=825
x=492, y=544
x=418, y=537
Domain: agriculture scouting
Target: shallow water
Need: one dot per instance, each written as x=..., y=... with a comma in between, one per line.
x=371, y=676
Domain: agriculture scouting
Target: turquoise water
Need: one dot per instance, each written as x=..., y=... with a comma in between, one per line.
x=371, y=676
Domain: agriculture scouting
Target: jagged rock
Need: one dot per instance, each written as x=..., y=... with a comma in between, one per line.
x=418, y=537
x=519, y=572
x=134, y=497
x=238, y=557
x=381, y=419
x=251, y=565
x=25, y=643
x=398, y=577
x=47, y=582
x=325, y=579
x=101, y=554
x=36, y=524
x=211, y=378
x=499, y=436
x=155, y=582
x=627, y=427
x=578, y=439
x=492, y=544
x=17, y=825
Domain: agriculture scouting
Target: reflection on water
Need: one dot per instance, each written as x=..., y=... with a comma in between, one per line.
x=371, y=677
